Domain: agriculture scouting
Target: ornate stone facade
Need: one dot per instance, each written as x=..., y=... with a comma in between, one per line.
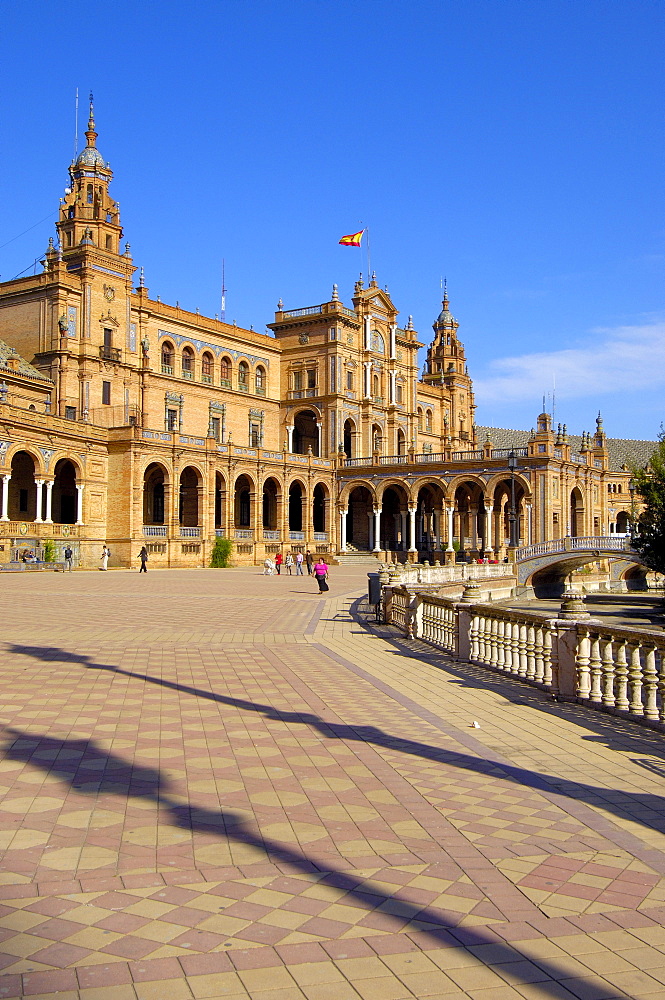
x=138, y=422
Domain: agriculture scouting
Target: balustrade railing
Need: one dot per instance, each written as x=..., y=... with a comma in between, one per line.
x=189, y=532
x=155, y=530
x=617, y=669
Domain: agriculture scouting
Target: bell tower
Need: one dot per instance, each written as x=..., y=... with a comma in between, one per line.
x=445, y=355
x=89, y=217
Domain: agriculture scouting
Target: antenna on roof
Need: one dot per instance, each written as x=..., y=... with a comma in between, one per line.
x=76, y=125
x=223, y=304
x=553, y=395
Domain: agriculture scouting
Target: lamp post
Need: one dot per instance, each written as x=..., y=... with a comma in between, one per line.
x=512, y=516
x=631, y=490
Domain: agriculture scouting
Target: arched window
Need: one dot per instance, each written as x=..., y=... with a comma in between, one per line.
x=420, y=419
x=226, y=372
x=399, y=393
x=378, y=343
x=243, y=376
x=206, y=367
x=376, y=391
x=89, y=194
x=187, y=362
x=167, y=358
x=260, y=381
x=428, y=421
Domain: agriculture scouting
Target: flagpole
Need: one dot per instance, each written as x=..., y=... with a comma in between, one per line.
x=369, y=258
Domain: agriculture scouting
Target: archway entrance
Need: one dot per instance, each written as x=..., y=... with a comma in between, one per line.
x=189, y=497
x=319, y=508
x=349, y=432
x=360, y=510
x=243, y=503
x=64, y=493
x=219, y=495
x=22, y=488
x=270, y=491
x=576, y=512
x=394, y=520
x=154, y=507
x=296, y=494
x=305, y=433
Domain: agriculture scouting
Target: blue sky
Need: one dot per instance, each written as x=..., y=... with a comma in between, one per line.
x=515, y=147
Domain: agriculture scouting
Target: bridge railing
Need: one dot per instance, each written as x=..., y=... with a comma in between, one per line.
x=574, y=543
x=607, y=667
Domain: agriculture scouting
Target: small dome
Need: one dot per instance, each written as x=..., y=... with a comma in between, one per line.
x=445, y=316
x=90, y=157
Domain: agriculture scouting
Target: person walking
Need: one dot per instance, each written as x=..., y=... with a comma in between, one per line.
x=321, y=574
x=299, y=562
x=106, y=552
x=279, y=558
x=143, y=556
x=310, y=562
x=69, y=557
x=288, y=562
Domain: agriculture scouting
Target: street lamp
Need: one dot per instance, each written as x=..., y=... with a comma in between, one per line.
x=512, y=516
x=631, y=490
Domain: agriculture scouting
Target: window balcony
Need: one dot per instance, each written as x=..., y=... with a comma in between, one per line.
x=225, y=383
x=187, y=373
x=155, y=530
x=110, y=353
x=167, y=369
x=206, y=378
x=271, y=536
x=260, y=390
x=243, y=387
x=190, y=532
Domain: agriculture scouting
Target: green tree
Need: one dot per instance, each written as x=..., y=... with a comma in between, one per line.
x=221, y=553
x=49, y=551
x=648, y=533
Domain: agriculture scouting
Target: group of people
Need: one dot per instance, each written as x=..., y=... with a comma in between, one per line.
x=316, y=568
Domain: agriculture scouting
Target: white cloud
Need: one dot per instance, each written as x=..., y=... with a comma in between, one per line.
x=616, y=360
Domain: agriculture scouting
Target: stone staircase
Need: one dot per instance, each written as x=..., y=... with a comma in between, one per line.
x=355, y=557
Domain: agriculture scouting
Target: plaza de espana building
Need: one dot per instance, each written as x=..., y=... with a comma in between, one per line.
x=127, y=421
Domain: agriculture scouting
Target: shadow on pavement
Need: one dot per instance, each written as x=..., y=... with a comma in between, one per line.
x=93, y=771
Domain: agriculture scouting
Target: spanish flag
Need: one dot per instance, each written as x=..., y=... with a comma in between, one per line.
x=353, y=240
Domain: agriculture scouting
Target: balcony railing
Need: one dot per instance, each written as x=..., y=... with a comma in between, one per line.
x=320, y=536
x=220, y=533
x=309, y=311
x=205, y=377
x=271, y=536
x=297, y=536
x=110, y=353
x=189, y=532
x=243, y=533
x=167, y=369
x=260, y=390
x=243, y=387
x=187, y=373
x=507, y=452
x=155, y=530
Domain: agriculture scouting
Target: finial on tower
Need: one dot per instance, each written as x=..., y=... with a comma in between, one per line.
x=335, y=296
x=280, y=306
x=445, y=293
x=409, y=325
x=142, y=279
x=599, y=423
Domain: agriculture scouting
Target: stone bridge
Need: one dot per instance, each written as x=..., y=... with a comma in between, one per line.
x=544, y=566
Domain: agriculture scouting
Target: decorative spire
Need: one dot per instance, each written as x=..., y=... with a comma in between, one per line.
x=445, y=293
x=373, y=281
x=564, y=435
x=142, y=279
x=409, y=325
x=90, y=134
x=335, y=296
x=599, y=423
x=280, y=306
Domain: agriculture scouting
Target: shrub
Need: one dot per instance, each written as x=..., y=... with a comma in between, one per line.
x=221, y=553
x=49, y=551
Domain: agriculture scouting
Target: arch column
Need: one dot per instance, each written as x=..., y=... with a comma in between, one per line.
x=49, y=502
x=377, y=530
x=403, y=530
x=5, y=497
x=489, y=511
x=450, y=511
x=318, y=437
x=39, y=483
x=529, y=522
x=412, y=529
x=289, y=438
x=79, y=503
x=342, y=529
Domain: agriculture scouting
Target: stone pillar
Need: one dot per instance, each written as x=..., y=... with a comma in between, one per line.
x=377, y=529
x=451, y=528
x=289, y=438
x=5, y=498
x=437, y=529
x=489, y=513
x=412, y=529
x=342, y=530
x=79, y=503
x=49, y=502
x=473, y=528
x=370, y=532
x=529, y=523
x=403, y=529
x=318, y=434
x=38, y=514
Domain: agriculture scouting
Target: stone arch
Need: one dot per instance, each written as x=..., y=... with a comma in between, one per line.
x=190, y=481
x=271, y=494
x=22, y=486
x=348, y=488
x=243, y=491
x=395, y=500
x=220, y=495
x=155, y=479
x=577, y=511
x=64, y=509
x=297, y=499
x=622, y=523
x=499, y=496
x=468, y=496
x=376, y=443
x=305, y=432
x=361, y=501
x=38, y=459
x=320, y=507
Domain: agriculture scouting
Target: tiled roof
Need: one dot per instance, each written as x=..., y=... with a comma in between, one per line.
x=24, y=368
x=621, y=451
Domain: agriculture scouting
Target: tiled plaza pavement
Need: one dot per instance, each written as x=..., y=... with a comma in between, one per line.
x=216, y=784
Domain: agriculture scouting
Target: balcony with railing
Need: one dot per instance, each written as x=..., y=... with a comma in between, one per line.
x=155, y=530
x=110, y=353
x=187, y=532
